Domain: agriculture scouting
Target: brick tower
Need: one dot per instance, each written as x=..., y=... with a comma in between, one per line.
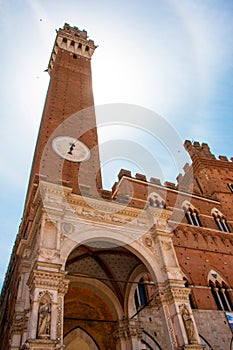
x=68, y=135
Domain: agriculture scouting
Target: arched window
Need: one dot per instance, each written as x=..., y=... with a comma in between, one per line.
x=155, y=200
x=140, y=294
x=219, y=291
x=191, y=214
x=191, y=300
x=220, y=220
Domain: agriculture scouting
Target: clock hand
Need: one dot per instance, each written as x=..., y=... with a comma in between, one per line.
x=72, y=145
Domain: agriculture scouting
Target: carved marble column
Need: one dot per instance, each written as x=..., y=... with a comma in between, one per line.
x=20, y=320
x=128, y=335
x=47, y=287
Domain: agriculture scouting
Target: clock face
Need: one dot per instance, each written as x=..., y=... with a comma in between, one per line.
x=70, y=149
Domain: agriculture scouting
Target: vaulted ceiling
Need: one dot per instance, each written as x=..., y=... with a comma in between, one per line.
x=111, y=264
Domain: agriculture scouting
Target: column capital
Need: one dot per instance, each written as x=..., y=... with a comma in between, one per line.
x=166, y=293
x=20, y=322
x=159, y=219
x=51, y=280
x=127, y=329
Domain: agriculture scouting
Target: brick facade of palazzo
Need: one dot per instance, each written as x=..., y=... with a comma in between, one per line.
x=143, y=266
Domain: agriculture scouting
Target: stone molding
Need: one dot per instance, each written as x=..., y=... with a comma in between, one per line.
x=40, y=344
x=60, y=201
x=192, y=347
x=48, y=280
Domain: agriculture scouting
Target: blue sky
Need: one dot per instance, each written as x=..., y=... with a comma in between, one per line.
x=174, y=57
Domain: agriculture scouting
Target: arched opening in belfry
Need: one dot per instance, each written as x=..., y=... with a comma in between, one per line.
x=108, y=283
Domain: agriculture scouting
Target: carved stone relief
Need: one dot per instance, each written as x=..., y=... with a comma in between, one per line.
x=44, y=317
x=67, y=228
x=188, y=324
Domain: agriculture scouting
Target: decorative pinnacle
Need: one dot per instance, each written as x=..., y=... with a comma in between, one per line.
x=73, y=40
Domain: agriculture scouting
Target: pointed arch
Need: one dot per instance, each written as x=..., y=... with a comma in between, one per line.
x=189, y=284
x=155, y=200
x=205, y=342
x=231, y=345
x=219, y=289
x=220, y=220
x=130, y=303
x=150, y=341
x=191, y=214
x=79, y=339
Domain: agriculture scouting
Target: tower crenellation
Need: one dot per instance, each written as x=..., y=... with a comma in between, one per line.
x=73, y=40
x=196, y=150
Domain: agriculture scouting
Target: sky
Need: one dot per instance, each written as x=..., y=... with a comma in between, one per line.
x=172, y=57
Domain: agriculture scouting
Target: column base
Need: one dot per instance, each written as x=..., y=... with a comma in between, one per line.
x=192, y=347
x=41, y=344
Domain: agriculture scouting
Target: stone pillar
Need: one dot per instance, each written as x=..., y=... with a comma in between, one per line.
x=179, y=324
x=172, y=297
x=20, y=320
x=47, y=287
x=128, y=335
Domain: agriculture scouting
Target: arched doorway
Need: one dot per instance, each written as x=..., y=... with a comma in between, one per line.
x=99, y=294
x=100, y=275
x=78, y=339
